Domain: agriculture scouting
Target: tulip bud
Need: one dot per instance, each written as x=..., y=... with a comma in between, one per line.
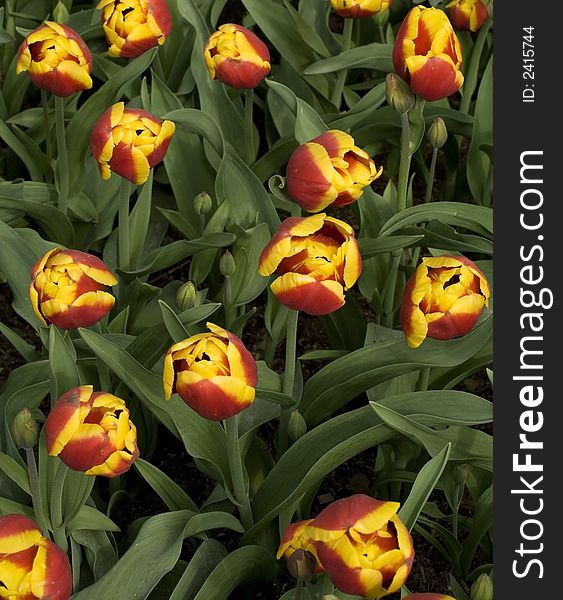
x=302, y=564
x=227, y=266
x=296, y=427
x=60, y=12
x=186, y=296
x=24, y=429
x=482, y=588
x=202, y=203
x=437, y=133
x=399, y=94
x=330, y=597
x=460, y=473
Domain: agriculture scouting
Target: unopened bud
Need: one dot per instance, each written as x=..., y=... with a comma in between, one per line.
x=482, y=588
x=296, y=427
x=460, y=473
x=227, y=265
x=202, y=203
x=24, y=429
x=330, y=597
x=399, y=93
x=437, y=133
x=60, y=13
x=186, y=296
x=302, y=564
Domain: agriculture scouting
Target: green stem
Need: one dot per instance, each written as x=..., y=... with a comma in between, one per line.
x=47, y=123
x=389, y=298
x=62, y=154
x=298, y=589
x=431, y=174
x=423, y=377
x=237, y=471
x=229, y=308
x=341, y=78
x=103, y=369
x=249, y=125
x=123, y=231
x=404, y=165
x=288, y=378
x=36, y=498
x=57, y=496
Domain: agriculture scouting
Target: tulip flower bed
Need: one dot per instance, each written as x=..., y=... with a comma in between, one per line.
x=246, y=257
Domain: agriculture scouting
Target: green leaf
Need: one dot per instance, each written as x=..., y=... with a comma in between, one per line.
x=237, y=185
x=308, y=123
x=476, y=218
x=91, y=519
x=370, y=247
x=173, y=324
x=15, y=472
x=368, y=56
x=347, y=377
x=205, y=559
x=198, y=122
x=171, y=493
x=62, y=360
x=425, y=482
x=250, y=563
x=154, y=553
x=26, y=350
x=482, y=522
x=139, y=222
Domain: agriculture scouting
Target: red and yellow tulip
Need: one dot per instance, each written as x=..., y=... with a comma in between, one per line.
x=237, y=57
x=427, y=53
x=213, y=373
x=295, y=538
x=134, y=26
x=329, y=170
x=443, y=299
x=68, y=289
x=317, y=259
x=359, y=9
x=129, y=141
x=91, y=432
x=467, y=15
x=31, y=566
x=363, y=545
x=56, y=59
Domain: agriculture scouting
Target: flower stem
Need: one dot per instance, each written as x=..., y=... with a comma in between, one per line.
x=62, y=154
x=36, y=498
x=47, y=124
x=298, y=589
x=237, y=471
x=341, y=78
x=229, y=308
x=423, y=377
x=431, y=174
x=288, y=378
x=404, y=165
x=389, y=298
x=249, y=125
x=123, y=230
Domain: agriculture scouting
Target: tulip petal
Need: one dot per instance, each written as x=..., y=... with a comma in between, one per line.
x=215, y=399
x=17, y=533
x=302, y=292
x=434, y=77
x=51, y=575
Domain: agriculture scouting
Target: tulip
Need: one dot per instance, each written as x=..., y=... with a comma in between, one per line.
x=427, y=53
x=299, y=551
x=56, y=59
x=237, y=57
x=363, y=545
x=443, y=299
x=317, y=259
x=31, y=566
x=359, y=9
x=213, y=373
x=467, y=15
x=329, y=170
x=68, y=289
x=134, y=26
x=129, y=141
x=91, y=432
